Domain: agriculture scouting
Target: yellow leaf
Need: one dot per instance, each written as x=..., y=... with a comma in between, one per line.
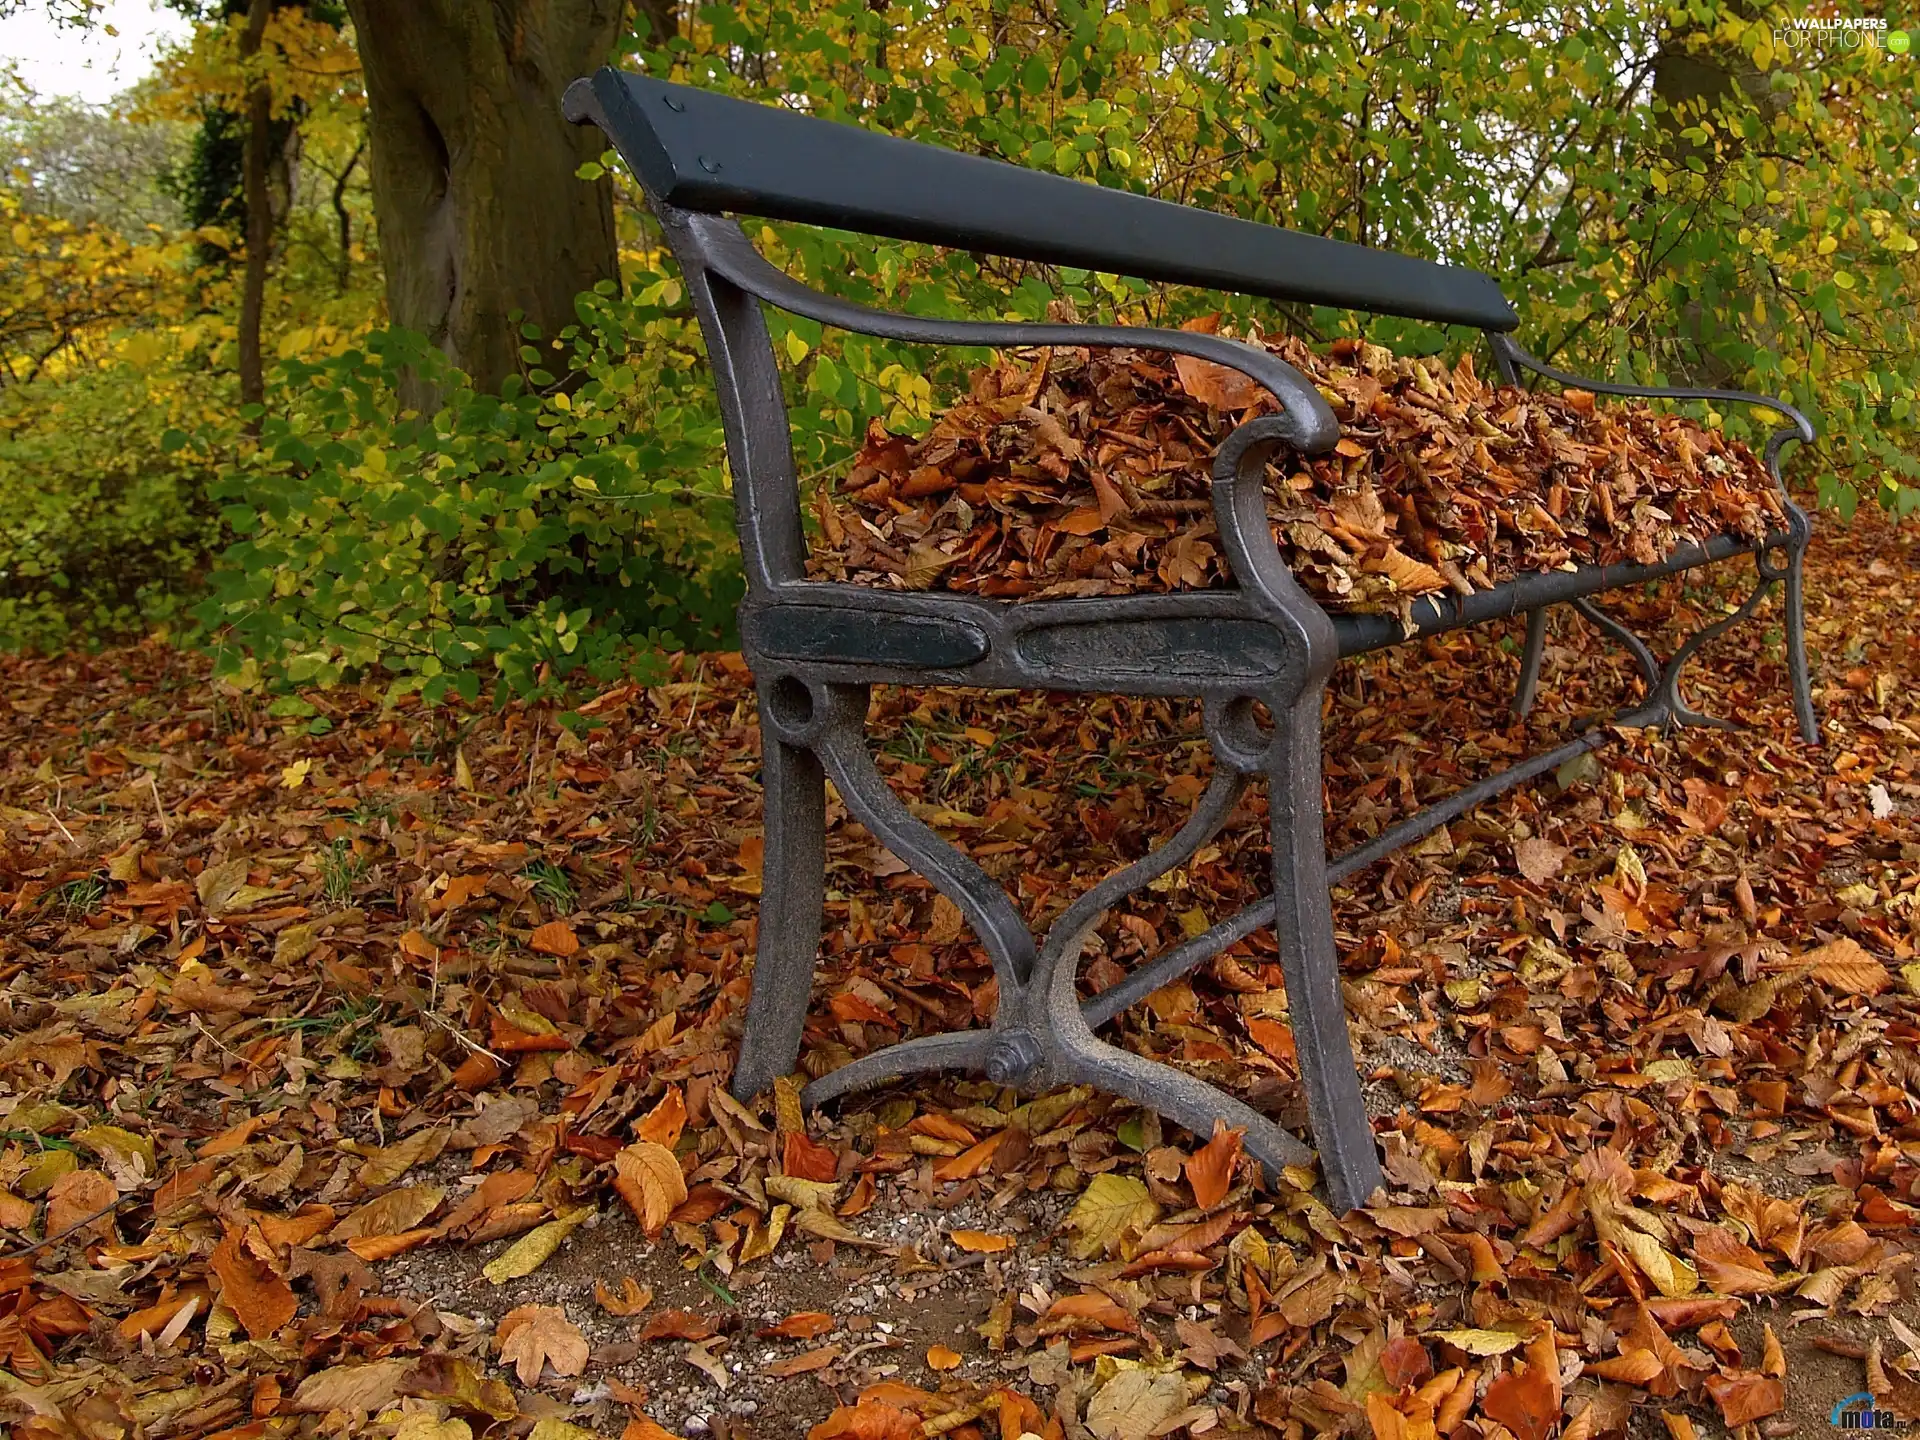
x=1107, y=1209
x=533, y=1249
x=1479, y=1342
x=1828, y=245
x=796, y=347
x=1671, y=1277
x=295, y=775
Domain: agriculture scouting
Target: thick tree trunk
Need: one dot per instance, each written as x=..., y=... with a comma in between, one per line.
x=474, y=192
x=254, y=164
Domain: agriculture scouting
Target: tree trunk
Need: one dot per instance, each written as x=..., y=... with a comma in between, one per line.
x=259, y=141
x=475, y=196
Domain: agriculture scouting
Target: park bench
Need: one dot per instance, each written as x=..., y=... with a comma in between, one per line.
x=815, y=647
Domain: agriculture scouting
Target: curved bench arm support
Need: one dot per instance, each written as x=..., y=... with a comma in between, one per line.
x=1799, y=426
x=725, y=249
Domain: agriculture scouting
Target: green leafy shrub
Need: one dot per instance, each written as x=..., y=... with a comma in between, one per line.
x=577, y=522
x=105, y=525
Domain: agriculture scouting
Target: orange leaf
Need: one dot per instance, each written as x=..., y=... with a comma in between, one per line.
x=666, y=1120
x=300, y=1228
x=79, y=1196
x=802, y=1325
x=261, y=1299
x=805, y=1159
x=1210, y=1170
x=632, y=1299
x=385, y=1247
x=1746, y=1395
x=232, y=1138
x=941, y=1127
x=648, y=1178
x=939, y=1357
x=678, y=1325
x=1085, y=521
x=804, y=1362
x=1846, y=967
x=556, y=937
x=969, y=1162
x=980, y=1242
x=416, y=944
x=1274, y=1038
x=869, y=1420
x=533, y=1337
x=1215, y=386
x=641, y=1428
x=860, y=1200
x=1090, y=1308
x=1526, y=1401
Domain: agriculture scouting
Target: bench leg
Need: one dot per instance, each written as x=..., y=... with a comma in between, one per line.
x=1797, y=644
x=1529, y=686
x=1303, y=926
x=792, y=881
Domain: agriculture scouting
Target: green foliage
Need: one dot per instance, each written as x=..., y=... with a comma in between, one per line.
x=104, y=524
x=568, y=525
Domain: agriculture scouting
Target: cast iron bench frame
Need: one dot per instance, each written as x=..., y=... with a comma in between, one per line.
x=816, y=648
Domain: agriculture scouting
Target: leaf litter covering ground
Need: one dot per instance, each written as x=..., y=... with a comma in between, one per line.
x=1086, y=472
x=364, y=1075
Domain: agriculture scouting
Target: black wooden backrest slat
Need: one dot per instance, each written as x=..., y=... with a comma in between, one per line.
x=705, y=152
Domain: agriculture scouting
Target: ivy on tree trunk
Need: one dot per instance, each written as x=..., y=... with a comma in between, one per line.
x=479, y=209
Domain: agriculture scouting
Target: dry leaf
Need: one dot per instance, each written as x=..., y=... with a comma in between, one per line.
x=532, y=1250
x=648, y=1178
x=980, y=1242
x=801, y=1364
x=78, y=1197
x=1539, y=860
x=534, y=1336
x=1210, y=1170
x=1844, y=966
x=663, y=1124
x=632, y=1299
x=1109, y=1206
x=802, y=1325
x=261, y=1300
x=355, y=1389
x=556, y=937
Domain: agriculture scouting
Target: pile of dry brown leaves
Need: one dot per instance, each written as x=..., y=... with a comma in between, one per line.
x=362, y=1072
x=1076, y=472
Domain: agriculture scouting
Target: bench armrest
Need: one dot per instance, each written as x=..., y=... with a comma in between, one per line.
x=1799, y=426
x=1311, y=425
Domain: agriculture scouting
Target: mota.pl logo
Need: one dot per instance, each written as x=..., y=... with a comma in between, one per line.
x=1846, y=1417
